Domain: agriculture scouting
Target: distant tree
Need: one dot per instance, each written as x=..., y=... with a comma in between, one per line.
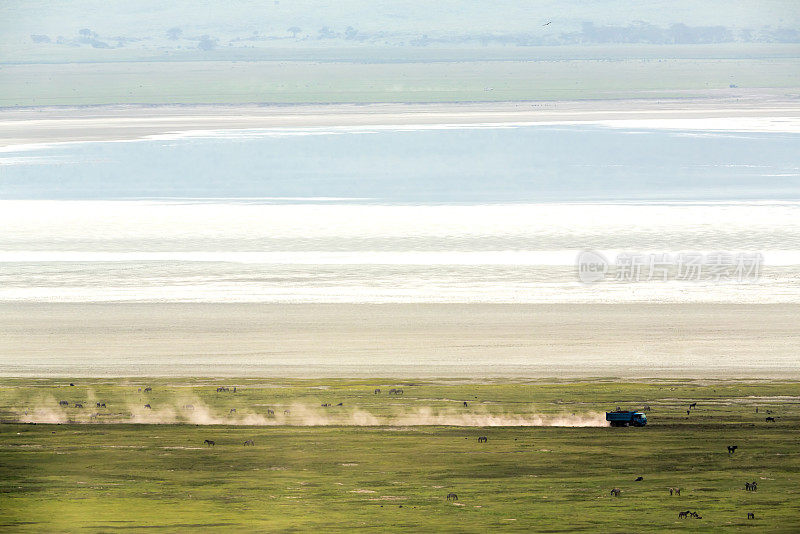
x=350, y=33
x=87, y=33
x=38, y=38
x=207, y=43
x=294, y=30
x=173, y=34
x=326, y=33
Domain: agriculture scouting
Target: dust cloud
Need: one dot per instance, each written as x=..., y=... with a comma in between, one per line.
x=191, y=410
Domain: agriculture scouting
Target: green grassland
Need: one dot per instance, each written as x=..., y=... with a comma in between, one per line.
x=121, y=476
x=294, y=82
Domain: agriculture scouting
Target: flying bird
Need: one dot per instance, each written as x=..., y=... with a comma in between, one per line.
x=548, y=23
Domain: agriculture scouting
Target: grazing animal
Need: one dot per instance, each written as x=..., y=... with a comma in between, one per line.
x=482, y=439
x=101, y=404
x=377, y=391
x=71, y=384
x=249, y=442
x=732, y=448
x=693, y=405
x=148, y=389
x=233, y=410
x=769, y=412
x=78, y=405
x=751, y=515
x=646, y=408
x=285, y=412
x=683, y=515
x=63, y=403
x=639, y=479
x=751, y=487
x=209, y=442
x=465, y=404
x=756, y=409
x=770, y=419
x=326, y=405
x=340, y=404
x=675, y=491
x=398, y=392
x=222, y=388
x=234, y=389
x=270, y=412
x=147, y=406
x=616, y=492
x=452, y=497
x=188, y=406
x=688, y=412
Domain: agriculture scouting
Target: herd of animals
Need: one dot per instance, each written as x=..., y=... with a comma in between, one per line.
x=615, y=492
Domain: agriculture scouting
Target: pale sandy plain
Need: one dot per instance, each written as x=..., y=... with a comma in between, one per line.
x=476, y=341
x=408, y=340
x=118, y=123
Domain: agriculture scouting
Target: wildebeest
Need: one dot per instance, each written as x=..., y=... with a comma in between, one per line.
x=63, y=403
x=71, y=384
x=676, y=491
x=78, y=405
x=148, y=389
x=222, y=388
x=249, y=442
x=732, y=448
x=147, y=406
x=693, y=405
x=687, y=513
x=101, y=404
x=616, y=492
x=209, y=442
x=683, y=515
x=646, y=408
x=340, y=404
x=233, y=410
x=452, y=497
x=326, y=405
x=482, y=439
x=688, y=412
x=639, y=479
x=188, y=406
x=270, y=412
x=285, y=412
x=751, y=487
x=465, y=404
x=770, y=419
x=751, y=515
x=377, y=390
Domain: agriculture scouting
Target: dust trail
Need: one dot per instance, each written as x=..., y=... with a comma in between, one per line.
x=191, y=410
x=426, y=416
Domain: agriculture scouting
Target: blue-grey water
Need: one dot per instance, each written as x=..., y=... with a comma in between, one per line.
x=434, y=214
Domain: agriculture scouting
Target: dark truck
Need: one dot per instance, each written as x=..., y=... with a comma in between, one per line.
x=623, y=418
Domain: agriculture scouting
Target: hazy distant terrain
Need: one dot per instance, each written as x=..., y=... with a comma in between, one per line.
x=79, y=52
